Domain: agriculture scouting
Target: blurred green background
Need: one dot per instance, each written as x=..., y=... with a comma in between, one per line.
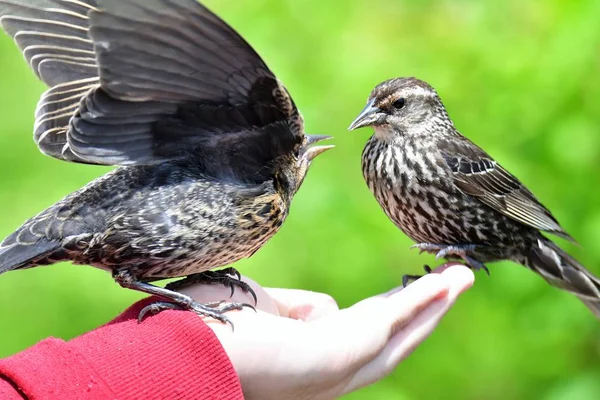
x=520, y=78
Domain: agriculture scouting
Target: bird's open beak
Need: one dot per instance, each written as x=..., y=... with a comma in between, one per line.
x=368, y=116
x=314, y=151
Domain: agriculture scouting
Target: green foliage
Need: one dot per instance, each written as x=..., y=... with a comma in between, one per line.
x=520, y=78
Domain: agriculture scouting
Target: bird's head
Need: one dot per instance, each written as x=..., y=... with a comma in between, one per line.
x=400, y=106
x=293, y=169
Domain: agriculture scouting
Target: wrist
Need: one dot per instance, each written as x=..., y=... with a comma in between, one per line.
x=171, y=354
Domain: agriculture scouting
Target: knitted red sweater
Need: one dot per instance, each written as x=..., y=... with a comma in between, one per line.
x=172, y=355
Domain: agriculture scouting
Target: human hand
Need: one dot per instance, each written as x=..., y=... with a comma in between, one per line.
x=299, y=345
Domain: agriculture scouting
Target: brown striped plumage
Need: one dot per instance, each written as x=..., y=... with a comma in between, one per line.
x=209, y=145
x=451, y=197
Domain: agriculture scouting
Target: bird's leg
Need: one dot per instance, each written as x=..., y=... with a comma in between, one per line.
x=178, y=301
x=229, y=277
x=455, y=250
x=406, y=279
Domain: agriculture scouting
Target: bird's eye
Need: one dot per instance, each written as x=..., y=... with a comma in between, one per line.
x=398, y=104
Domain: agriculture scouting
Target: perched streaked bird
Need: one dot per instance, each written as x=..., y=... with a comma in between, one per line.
x=451, y=197
x=209, y=145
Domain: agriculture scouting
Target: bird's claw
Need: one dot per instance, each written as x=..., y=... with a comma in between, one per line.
x=155, y=308
x=231, y=271
x=406, y=279
x=229, y=277
x=460, y=250
x=427, y=247
x=233, y=283
x=214, y=310
x=476, y=265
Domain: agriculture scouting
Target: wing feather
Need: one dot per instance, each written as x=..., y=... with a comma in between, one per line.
x=144, y=81
x=478, y=175
x=52, y=34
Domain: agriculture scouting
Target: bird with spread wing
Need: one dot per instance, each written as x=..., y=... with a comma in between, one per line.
x=209, y=146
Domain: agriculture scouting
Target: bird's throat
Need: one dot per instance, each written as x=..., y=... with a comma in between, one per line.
x=385, y=133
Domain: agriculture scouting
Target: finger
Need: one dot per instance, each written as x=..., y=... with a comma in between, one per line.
x=209, y=293
x=404, y=306
x=365, y=328
x=418, y=329
x=438, y=270
x=302, y=304
x=403, y=301
x=402, y=343
x=446, y=266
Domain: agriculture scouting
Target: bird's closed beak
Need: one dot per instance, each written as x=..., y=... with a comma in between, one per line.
x=314, y=151
x=368, y=116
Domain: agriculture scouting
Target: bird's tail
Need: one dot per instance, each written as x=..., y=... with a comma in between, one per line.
x=563, y=271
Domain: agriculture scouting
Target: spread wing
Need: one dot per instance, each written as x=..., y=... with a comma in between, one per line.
x=144, y=81
x=477, y=174
x=53, y=38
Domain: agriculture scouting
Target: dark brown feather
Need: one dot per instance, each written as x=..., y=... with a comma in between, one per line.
x=479, y=175
x=53, y=37
x=122, y=73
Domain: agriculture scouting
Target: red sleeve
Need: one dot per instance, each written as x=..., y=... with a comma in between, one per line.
x=171, y=355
